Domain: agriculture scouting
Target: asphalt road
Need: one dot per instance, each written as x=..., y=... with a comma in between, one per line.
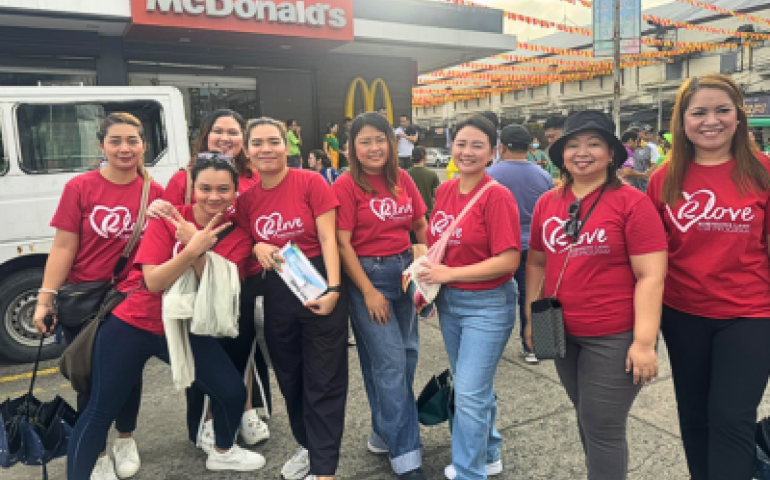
x=535, y=418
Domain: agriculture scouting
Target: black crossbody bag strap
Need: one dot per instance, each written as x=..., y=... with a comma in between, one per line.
x=572, y=244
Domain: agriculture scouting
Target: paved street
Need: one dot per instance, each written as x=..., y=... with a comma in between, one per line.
x=535, y=418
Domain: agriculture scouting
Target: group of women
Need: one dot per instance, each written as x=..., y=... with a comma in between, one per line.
x=693, y=251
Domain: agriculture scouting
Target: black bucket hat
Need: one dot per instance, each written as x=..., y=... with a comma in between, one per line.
x=584, y=121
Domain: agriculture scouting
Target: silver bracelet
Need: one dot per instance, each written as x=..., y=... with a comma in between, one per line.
x=47, y=290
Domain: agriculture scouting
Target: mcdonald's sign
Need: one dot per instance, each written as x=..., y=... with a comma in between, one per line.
x=369, y=97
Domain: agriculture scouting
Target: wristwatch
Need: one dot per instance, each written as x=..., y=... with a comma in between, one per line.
x=335, y=288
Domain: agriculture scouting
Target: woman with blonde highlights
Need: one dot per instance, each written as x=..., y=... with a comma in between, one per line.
x=713, y=195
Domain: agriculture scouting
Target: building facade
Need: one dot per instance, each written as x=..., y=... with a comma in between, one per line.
x=312, y=61
x=647, y=92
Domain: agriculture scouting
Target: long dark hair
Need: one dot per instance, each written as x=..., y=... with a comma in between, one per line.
x=749, y=173
x=390, y=171
x=201, y=142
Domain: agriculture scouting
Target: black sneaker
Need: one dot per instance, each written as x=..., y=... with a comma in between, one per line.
x=415, y=474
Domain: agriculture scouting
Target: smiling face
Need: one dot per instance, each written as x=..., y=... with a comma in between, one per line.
x=214, y=190
x=267, y=149
x=226, y=136
x=123, y=146
x=587, y=156
x=372, y=149
x=711, y=119
x=471, y=150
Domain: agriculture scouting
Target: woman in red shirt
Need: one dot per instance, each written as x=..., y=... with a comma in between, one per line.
x=222, y=132
x=598, y=247
x=133, y=333
x=379, y=206
x=713, y=196
x=307, y=342
x=93, y=223
x=477, y=304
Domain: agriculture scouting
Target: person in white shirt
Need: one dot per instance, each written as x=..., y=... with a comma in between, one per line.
x=648, y=137
x=407, y=137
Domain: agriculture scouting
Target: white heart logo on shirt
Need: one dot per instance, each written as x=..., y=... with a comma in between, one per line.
x=268, y=226
x=689, y=208
x=555, y=240
x=440, y=222
x=383, y=208
x=108, y=222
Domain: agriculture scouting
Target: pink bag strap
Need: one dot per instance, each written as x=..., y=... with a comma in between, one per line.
x=436, y=252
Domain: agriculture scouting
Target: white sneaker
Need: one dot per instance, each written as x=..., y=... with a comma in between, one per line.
x=236, y=459
x=494, y=468
x=298, y=466
x=531, y=358
x=206, y=439
x=104, y=469
x=126, y=455
x=253, y=429
x=375, y=449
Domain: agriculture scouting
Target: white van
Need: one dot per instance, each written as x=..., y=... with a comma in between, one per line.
x=47, y=136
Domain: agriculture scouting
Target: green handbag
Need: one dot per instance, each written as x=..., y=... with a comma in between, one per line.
x=436, y=405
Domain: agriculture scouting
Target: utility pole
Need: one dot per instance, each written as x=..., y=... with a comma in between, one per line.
x=616, y=69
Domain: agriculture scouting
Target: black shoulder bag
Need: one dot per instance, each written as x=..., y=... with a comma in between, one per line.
x=77, y=303
x=547, y=317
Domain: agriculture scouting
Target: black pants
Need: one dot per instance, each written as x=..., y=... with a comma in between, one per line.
x=521, y=282
x=239, y=350
x=125, y=421
x=310, y=359
x=720, y=370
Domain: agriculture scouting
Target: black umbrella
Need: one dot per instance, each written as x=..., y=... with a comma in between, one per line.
x=33, y=432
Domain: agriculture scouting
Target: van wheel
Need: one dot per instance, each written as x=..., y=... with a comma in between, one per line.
x=18, y=338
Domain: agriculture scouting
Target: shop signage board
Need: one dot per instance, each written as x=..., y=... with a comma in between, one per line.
x=630, y=27
x=758, y=107
x=327, y=19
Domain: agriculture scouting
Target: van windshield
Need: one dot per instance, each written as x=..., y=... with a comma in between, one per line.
x=62, y=137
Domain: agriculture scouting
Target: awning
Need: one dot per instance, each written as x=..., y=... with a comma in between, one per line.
x=759, y=122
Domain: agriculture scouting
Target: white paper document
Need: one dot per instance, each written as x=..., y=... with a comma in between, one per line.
x=300, y=275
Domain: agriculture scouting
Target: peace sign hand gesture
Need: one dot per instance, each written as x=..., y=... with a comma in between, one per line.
x=184, y=230
x=203, y=240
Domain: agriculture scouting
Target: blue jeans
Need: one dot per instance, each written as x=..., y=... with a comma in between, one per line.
x=476, y=325
x=120, y=353
x=388, y=356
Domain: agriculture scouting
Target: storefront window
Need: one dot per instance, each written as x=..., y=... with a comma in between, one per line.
x=63, y=137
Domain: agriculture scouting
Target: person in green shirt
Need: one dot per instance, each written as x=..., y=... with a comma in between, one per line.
x=537, y=156
x=294, y=140
x=427, y=180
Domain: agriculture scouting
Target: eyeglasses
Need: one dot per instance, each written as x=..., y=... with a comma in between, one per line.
x=215, y=157
x=573, y=224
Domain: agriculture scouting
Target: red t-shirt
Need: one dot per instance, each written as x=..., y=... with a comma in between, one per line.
x=144, y=309
x=597, y=291
x=717, y=241
x=103, y=214
x=176, y=186
x=380, y=224
x=287, y=212
x=489, y=228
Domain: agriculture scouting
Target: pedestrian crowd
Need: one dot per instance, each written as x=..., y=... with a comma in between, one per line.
x=625, y=249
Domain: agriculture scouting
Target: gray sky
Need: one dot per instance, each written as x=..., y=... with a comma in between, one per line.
x=551, y=10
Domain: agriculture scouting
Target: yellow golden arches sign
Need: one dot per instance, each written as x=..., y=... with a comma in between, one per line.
x=369, y=94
